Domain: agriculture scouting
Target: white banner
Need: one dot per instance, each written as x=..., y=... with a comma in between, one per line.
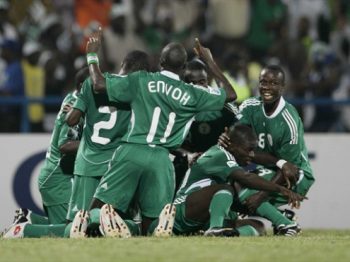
x=328, y=205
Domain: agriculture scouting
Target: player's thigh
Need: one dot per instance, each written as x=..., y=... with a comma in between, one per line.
x=157, y=185
x=57, y=213
x=84, y=188
x=117, y=187
x=183, y=225
x=264, y=173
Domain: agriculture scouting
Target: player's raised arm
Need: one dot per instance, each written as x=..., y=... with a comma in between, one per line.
x=205, y=54
x=92, y=46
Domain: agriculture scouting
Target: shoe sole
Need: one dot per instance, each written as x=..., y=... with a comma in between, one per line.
x=111, y=224
x=166, y=221
x=217, y=232
x=79, y=225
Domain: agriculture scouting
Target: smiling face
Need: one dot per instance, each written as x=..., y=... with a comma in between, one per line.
x=271, y=85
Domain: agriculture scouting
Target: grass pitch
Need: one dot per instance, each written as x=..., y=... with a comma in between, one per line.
x=311, y=245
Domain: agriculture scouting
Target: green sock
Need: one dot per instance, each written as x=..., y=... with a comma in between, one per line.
x=94, y=220
x=133, y=227
x=67, y=230
x=247, y=231
x=271, y=213
x=35, y=231
x=152, y=227
x=38, y=219
x=219, y=207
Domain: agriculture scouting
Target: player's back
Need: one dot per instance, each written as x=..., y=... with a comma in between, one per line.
x=105, y=122
x=163, y=107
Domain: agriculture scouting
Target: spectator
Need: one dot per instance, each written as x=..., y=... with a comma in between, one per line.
x=12, y=86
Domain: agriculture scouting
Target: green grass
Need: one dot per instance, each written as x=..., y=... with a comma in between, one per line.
x=312, y=245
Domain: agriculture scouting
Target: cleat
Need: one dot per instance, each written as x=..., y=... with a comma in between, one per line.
x=221, y=232
x=15, y=231
x=166, y=221
x=22, y=215
x=288, y=230
x=291, y=215
x=111, y=224
x=79, y=225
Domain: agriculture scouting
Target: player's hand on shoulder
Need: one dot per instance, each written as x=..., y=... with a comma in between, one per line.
x=94, y=41
x=193, y=157
x=224, y=139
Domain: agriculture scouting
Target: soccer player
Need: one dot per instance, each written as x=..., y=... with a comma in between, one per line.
x=280, y=144
x=55, y=186
x=163, y=108
x=208, y=189
x=105, y=123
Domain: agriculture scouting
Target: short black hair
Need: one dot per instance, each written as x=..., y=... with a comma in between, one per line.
x=136, y=61
x=173, y=57
x=81, y=76
x=195, y=64
x=277, y=69
x=241, y=133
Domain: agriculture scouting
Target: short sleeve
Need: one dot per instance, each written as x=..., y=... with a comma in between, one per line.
x=209, y=99
x=121, y=88
x=243, y=115
x=82, y=97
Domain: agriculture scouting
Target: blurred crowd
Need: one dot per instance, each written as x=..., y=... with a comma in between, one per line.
x=42, y=46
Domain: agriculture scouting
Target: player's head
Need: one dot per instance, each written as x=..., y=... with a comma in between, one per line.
x=243, y=143
x=135, y=61
x=195, y=72
x=271, y=83
x=80, y=77
x=173, y=57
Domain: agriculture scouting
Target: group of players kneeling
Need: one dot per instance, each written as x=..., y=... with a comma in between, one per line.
x=218, y=189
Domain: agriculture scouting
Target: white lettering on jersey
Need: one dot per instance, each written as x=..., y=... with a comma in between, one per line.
x=175, y=93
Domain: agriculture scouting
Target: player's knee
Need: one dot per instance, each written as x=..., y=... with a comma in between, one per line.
x=225, y=188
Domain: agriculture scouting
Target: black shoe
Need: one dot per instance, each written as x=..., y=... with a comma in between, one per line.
x=288, y=230
x=221, y=232
x=21, y=216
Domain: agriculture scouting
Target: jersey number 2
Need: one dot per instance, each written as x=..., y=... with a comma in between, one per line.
x=96, y=138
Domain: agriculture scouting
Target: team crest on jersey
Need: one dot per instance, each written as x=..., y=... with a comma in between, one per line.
x=269, y=138
x=231, y=163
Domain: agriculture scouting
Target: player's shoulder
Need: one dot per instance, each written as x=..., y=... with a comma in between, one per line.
x=251, y=102
x=220, y=155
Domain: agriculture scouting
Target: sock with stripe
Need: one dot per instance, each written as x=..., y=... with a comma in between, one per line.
x=271, y=213
x=219, y=207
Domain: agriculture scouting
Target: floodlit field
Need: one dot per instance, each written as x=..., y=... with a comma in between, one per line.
x=312, y=245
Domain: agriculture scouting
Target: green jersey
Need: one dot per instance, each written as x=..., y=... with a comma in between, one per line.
x=213, y=167
x=163, y=106
x=281, y=134
x=60, y=133
x=105, y=123
x=55, y=187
